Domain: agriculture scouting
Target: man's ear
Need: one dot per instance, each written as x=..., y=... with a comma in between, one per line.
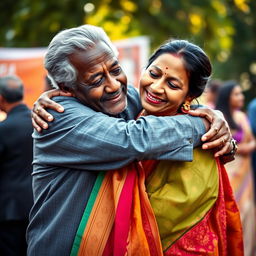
x=64, y=88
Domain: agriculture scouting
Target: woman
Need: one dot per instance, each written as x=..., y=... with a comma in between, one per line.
x=176, y=74
x=230, y=101
x=192, y=203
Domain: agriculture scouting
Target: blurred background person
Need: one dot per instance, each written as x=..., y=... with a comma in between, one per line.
x=230, y=101
x=211, y=92
x=16, y=167
x=252, y=118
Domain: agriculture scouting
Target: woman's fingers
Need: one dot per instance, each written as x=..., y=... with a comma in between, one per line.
x=38, y=123
x=217, y=137
x=224, y=149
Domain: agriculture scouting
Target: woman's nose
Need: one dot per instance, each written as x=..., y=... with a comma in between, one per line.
x=157, y=86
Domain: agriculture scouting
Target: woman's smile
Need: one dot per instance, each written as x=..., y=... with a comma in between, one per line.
x=153, y=99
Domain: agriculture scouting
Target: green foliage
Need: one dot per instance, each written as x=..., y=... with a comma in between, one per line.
x=26, y=23
x=224, y=28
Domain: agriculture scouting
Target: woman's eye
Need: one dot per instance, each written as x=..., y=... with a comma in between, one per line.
x=153, y=74
x=172, y=85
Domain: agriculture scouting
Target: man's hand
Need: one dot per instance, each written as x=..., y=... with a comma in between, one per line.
x=39, y=115
x=218, y=137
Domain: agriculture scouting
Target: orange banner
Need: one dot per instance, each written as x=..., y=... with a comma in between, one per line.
x=27, y=63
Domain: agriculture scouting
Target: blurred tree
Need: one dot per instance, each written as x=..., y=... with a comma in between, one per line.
x=27, y=23
x=224, y=28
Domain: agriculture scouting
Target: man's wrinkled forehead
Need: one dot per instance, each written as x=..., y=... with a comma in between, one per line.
x=100, y=53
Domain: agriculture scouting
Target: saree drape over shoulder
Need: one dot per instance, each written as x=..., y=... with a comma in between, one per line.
x=189, y=210
x=194, y=206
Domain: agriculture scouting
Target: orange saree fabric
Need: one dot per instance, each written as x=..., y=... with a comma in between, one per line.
x=118, y=219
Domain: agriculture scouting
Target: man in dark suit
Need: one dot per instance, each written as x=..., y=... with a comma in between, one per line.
x=15, y=167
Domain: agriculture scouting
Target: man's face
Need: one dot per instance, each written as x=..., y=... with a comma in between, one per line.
x=101, y=83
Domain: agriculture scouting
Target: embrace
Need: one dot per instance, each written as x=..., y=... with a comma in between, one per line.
x=121, y=174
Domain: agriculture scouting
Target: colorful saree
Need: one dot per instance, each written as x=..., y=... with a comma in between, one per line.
x=194, y=206
x=118, y=219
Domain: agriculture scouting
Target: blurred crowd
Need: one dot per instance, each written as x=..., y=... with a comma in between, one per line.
x=229, y=98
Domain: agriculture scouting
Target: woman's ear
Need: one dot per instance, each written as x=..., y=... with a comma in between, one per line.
x=189, y=99
x=185, y=107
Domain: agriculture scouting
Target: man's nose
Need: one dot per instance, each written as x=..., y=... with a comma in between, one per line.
x=112, y=84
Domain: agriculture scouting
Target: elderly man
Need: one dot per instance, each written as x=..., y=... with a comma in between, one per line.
x=97, y=132
x=16, y=155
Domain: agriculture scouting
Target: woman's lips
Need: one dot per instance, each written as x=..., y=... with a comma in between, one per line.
x=153, y=99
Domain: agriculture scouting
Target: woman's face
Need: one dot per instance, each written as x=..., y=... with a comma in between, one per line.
x=164, y=85
x=236, y=98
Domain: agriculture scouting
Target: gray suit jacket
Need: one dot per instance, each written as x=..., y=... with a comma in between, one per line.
x=80, y=143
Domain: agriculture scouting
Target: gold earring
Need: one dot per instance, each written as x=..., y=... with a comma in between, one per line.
x=185, y=107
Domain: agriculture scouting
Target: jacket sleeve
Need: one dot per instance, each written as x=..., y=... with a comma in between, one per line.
x=84, y=139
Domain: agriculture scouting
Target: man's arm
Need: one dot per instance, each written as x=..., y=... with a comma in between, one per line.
x=84, y=139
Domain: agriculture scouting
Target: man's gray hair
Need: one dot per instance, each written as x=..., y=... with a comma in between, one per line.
x=11, y=88
x=66, y=42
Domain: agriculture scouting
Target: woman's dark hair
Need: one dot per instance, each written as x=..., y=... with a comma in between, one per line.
x=196, y=62
x=223, y=102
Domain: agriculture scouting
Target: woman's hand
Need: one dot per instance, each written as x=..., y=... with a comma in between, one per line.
x=39, y=115
x=218, y=136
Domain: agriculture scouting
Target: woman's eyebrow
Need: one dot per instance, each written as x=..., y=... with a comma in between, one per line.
x=172, y=78
x=156, y=67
